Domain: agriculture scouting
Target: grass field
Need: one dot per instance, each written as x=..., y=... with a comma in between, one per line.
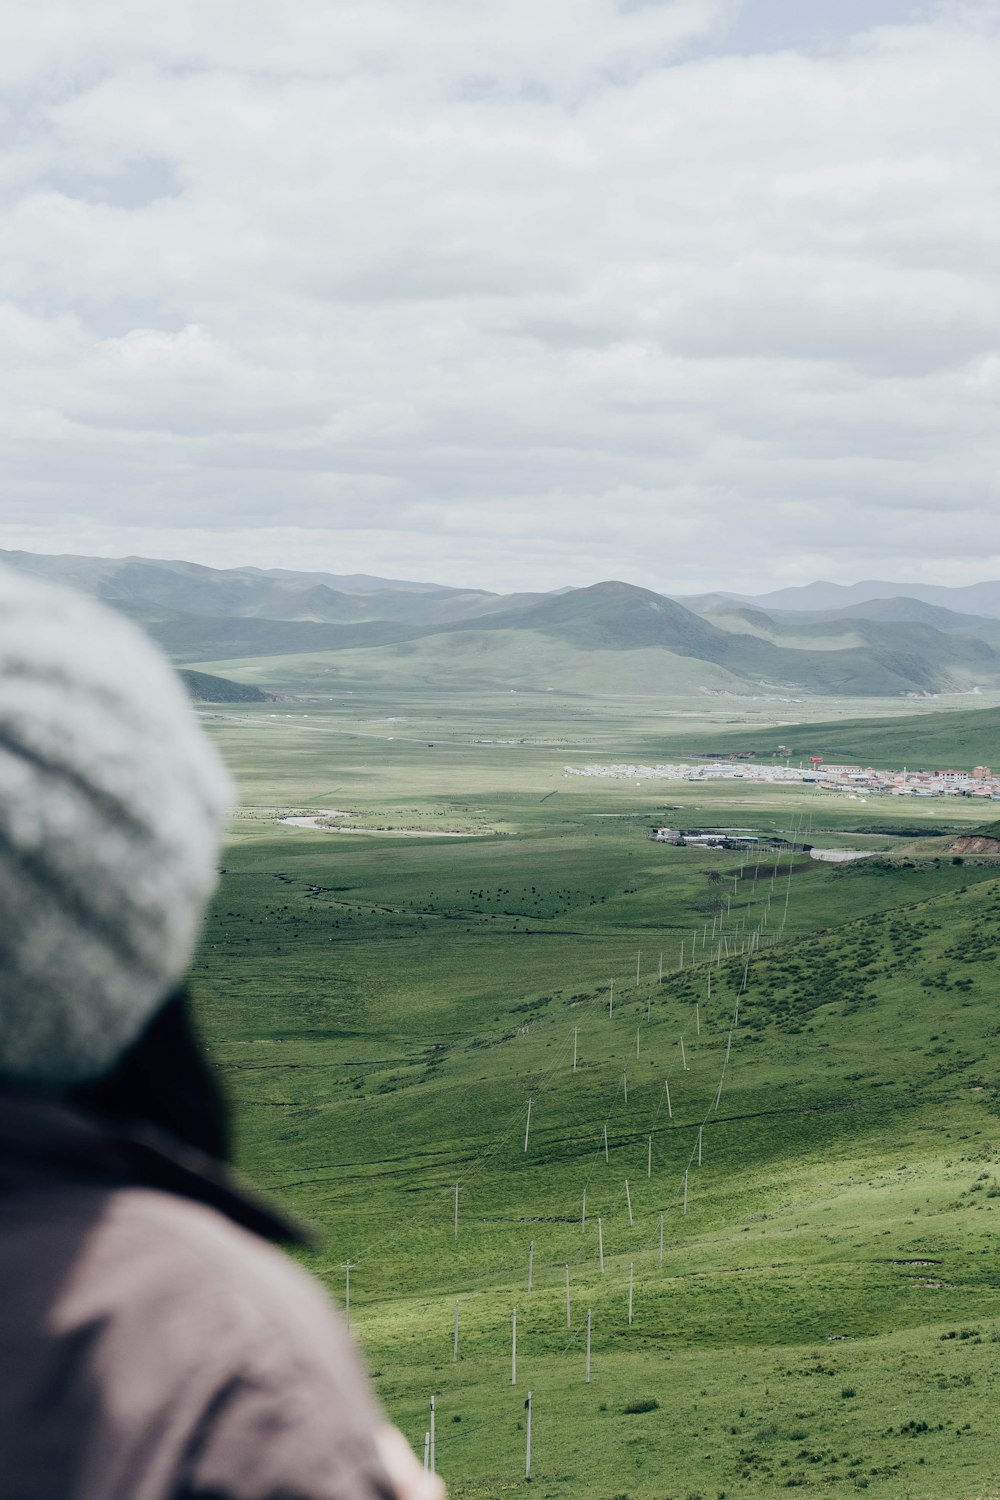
x=385, y=1005
x=963, y=738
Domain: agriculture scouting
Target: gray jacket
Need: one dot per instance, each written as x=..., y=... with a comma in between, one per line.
x=153, y=1345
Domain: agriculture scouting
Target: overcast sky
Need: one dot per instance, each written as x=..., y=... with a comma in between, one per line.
x=694, y=293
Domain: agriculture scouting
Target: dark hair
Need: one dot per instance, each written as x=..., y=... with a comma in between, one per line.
x=165, y=1079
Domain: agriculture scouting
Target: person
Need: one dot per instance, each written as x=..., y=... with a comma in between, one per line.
x=154, y=1341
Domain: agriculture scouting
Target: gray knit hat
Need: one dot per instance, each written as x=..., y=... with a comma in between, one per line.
x=111, y=808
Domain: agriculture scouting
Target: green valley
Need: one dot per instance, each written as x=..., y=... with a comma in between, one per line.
x=386, y=999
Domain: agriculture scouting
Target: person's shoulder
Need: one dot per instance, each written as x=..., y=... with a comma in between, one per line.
x=212, y=1338
x=242, y=1333
x=197, y=1280
x=184, y=1233
x=188, y=1245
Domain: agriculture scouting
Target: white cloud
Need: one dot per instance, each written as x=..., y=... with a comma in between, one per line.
x=524, y=295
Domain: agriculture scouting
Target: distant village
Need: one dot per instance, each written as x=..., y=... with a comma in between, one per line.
x=855, y=781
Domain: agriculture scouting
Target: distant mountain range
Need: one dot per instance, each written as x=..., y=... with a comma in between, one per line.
x=973, y=599
x=865, y=639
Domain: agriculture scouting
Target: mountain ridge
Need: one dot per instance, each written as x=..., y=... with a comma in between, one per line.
x=973, y=598
x=202, y=614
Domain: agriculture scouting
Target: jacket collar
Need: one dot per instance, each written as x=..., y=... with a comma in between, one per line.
x=44, y=1141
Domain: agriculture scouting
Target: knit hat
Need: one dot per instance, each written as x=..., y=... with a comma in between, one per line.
x=111, y=808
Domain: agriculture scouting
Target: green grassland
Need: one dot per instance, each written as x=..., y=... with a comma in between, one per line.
x=960, y=739
x=384, y=1006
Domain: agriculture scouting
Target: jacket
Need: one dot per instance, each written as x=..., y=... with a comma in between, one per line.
x=153, y=1344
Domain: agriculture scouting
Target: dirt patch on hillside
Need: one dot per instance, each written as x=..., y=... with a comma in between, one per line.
x=976, y=845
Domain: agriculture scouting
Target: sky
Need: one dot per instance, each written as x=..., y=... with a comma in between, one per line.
x=699, y=294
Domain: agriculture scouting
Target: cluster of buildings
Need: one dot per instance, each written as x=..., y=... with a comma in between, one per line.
x=727, y=838
x=979, y=782
x=685, y=771
x=854, y=780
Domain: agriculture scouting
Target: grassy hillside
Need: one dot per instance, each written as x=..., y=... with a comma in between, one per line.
x=961, y=740
x=150, y=588
x=896, y=625
x=917, y=612
x=385, y=1007
x=203, y=687
x=974, y=598
x=199, y=638
x=868, y=659
x=203, y=615
x=586, y=656
x=473, y=663
x=902, y=609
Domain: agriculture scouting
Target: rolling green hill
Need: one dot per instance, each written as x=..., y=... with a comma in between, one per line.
x=916, y=611
x=873, y=659
x=197, y=638
x=825, y=1311
x=204, y=688
x=903, y=629
x=203, y=615
x=588, y=627
x=150, y=589
x=961, y=740
x=975, y=598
